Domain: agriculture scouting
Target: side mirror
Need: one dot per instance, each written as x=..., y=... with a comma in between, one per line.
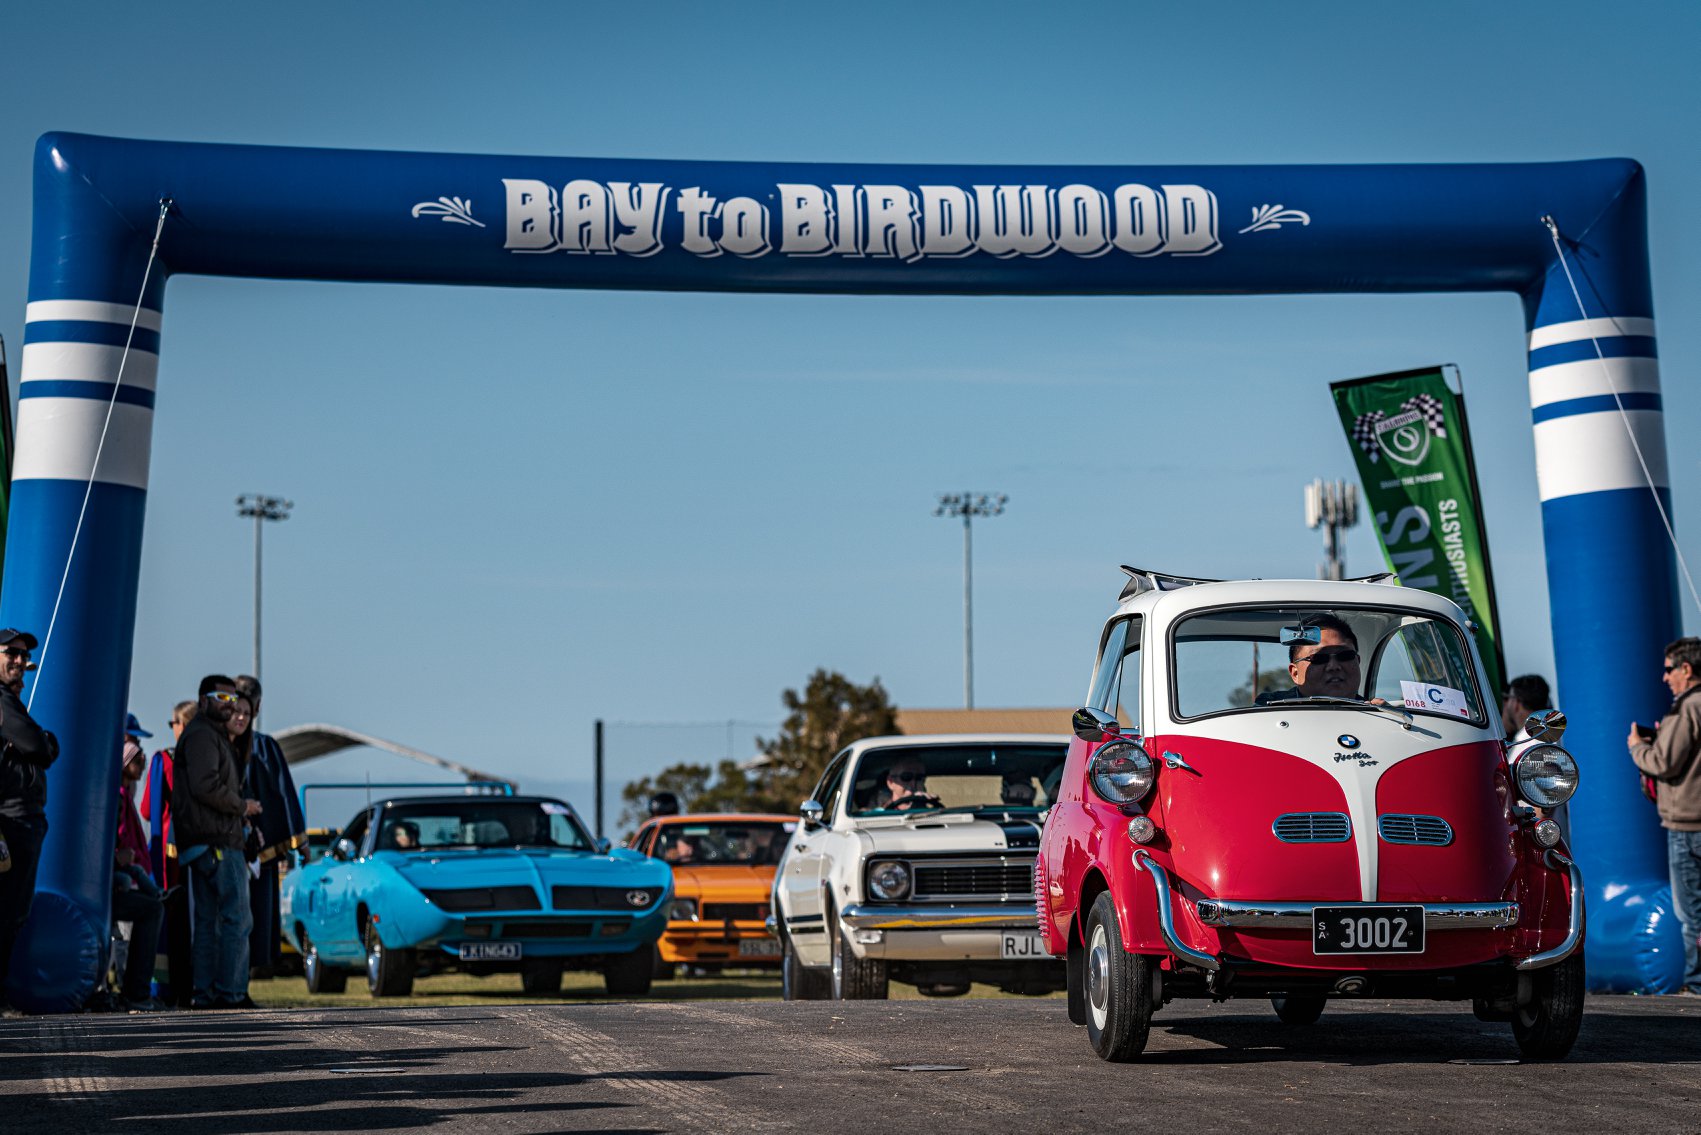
x=603, y=845
x=1545, y=725
x=1095, y=725
x=811, y=814
x=343, y=849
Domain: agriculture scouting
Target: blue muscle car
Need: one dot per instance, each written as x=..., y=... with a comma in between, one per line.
x=493, y=884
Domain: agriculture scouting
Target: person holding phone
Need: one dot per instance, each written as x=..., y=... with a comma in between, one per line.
x=1668, y=754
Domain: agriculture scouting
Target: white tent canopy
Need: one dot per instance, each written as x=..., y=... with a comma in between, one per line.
x=301, y=743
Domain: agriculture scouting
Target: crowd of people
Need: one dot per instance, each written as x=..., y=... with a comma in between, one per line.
x=196, y=880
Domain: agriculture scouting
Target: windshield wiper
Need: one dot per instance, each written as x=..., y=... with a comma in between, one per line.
x=1356, y=703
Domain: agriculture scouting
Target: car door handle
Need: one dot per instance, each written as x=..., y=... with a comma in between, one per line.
x=1176, y=760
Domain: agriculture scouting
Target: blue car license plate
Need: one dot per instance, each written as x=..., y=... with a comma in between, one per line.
x=490, y=951
x=1367, y=930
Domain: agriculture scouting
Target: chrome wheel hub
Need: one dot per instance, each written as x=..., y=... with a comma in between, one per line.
x=1098, y=977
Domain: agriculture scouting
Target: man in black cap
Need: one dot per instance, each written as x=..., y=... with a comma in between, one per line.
x=208, y=808
x=26, y=751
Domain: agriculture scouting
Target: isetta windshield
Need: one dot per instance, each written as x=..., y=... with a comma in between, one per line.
x=1249, y=658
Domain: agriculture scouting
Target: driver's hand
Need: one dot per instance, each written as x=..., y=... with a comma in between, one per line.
x=1377, y=701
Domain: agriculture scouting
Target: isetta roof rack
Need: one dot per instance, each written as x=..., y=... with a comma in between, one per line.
x=1141, y=580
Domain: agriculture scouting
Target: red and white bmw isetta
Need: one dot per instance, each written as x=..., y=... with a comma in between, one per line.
x=1298, y=790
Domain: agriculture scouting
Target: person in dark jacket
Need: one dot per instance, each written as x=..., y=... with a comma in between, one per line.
x=282, y=828
x=207, y=810
x=26, y=752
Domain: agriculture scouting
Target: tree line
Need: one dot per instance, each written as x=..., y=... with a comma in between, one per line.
x=830, y=713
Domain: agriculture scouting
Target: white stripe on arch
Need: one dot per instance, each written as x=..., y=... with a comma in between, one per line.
x=87, y=362
x=1591, y=453
x=1587, y=378
x=57, y=439
x=92, y=310
x=1602, y=328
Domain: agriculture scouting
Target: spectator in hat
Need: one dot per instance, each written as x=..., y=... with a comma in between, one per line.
x=136, y=898
x=281, y=827
x=26, y=752
x=208, y=809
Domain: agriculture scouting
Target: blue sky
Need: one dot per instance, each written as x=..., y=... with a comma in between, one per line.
x=518, y=511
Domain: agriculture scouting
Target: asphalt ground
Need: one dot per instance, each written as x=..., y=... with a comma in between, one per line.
x=1013, y=1065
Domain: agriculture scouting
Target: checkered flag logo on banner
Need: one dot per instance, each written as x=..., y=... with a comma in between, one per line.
x=1369, y=429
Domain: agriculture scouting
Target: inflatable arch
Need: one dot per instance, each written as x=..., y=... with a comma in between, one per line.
x=583, y=223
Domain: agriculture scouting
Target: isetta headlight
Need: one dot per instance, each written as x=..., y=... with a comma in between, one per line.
x=1121, y=772
x=889, y=880
x=1547, y=776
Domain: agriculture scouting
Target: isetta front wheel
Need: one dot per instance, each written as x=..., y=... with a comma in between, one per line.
x=1119, y=988
x=1546, y=1028
x=1299, y=1008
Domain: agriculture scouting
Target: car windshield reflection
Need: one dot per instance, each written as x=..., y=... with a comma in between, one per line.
x=450, y=824
x=904, y=780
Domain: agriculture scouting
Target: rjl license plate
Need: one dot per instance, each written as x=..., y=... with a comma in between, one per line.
x=490, y=951
x=758, y=947
x=1021, y=946
x=1367, y=929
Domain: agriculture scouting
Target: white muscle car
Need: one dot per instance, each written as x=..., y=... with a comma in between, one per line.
x=914, y=863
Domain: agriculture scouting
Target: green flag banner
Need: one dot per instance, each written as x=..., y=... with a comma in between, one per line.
x=1413, y=447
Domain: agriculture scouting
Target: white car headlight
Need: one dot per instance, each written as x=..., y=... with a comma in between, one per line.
x=1547, y=776
x=1121, y=772
x=889, y=880
x=683, y=910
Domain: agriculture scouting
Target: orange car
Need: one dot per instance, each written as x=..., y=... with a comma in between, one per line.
x=723, y=878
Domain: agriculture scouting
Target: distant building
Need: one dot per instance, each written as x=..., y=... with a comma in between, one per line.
x=984, y=720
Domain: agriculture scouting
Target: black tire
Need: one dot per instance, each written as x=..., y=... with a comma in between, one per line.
x=854, y=978
x=1299, y=1008
x=1075, y=981
x=389, y=973
x=1547, y=1027
x=797, y=981
x=322, y=977
x=660, y=970
x=541, y=977
x=1119, y=988
x=629, y=975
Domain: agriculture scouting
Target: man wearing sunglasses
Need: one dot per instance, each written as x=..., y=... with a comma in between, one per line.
x=26, y=751
x=1328, y=667
x=207, y=808
x=1671, y=755
x=906, y=783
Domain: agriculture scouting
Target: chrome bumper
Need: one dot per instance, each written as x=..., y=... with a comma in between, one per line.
x=1004, y=916
x=1143, y=861
x=1246, y=915
x=1574, y=933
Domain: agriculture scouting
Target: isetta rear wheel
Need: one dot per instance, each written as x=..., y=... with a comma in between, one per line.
x=1299, y=1008
x=1546, y=1028
x=1119, y=988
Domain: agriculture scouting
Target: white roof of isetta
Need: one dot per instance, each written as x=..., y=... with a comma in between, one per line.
x=1170, y=604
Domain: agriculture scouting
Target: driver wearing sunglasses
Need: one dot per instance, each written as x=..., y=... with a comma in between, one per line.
x=1329, y=668
x=906, y=783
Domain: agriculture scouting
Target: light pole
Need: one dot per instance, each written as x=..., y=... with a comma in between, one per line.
x=262, y=509
x=968, y=506
x=1333, y=507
